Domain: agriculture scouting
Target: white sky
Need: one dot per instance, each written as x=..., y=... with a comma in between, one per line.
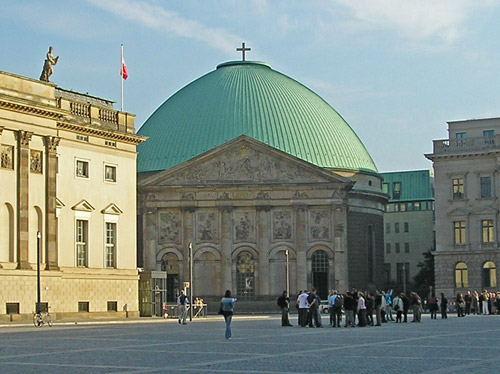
x=396, y=70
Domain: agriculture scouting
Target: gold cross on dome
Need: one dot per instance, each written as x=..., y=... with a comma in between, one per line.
x=243, y=50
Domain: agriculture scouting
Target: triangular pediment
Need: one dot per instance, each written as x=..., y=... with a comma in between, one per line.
x=486, y=210
x=112, y=209
x=243, y=161
x=459, y=212
x=83, y=206
x=59, y=204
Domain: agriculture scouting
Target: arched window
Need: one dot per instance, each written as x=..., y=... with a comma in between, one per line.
x=245, y=276
x=461, y=275
x=170, y=264
x=489, y=274
x=320, y=266
x=7, y=233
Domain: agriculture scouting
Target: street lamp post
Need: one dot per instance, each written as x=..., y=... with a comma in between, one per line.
x=38, y=293
x=404, y=278
x=287, y=274
x=190, y=281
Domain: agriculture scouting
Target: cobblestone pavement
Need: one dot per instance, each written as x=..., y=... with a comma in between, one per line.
x=259, y=345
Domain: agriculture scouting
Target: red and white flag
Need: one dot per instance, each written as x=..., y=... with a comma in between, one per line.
x=123, y=71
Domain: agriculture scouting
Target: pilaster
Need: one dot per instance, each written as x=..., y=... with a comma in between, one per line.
x=226, y=247
x=340, y=247
x=188, y=236
x=263, y=245
x=150, y=217
x=51, y=144
x=23, y=173
x=301, y=247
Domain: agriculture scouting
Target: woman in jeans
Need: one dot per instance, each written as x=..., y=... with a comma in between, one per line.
x=227, y=307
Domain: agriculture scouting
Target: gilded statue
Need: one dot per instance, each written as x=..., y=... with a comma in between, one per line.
x=47, y=70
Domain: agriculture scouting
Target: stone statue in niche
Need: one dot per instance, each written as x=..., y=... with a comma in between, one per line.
x=170, y=226
x=282, y=225
x=6, y=157
x=207, y=227
x=319, y=223
x=36, y=162
x=243, y=227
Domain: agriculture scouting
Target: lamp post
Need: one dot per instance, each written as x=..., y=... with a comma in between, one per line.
x=190, y=282
x=38, y=303
x=404, y=278
x=287, y=274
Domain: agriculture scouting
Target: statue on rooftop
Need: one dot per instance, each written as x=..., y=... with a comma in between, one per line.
x=47, y=70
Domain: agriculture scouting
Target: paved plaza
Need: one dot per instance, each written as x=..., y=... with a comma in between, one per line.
x=259, y=345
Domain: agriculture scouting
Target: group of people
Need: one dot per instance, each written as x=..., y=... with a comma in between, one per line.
x=471, y=303
x=358, y=307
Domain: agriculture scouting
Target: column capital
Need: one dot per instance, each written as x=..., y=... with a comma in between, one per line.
x=24, y=138
x=51, y=143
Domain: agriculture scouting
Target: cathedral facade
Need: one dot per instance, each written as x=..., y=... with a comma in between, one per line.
x=259, y=215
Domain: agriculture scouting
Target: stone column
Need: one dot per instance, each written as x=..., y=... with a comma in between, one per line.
x=1, y=130
x=340, y=247
x=226, y=248
x=23, y=173
x=301, y=248
x=263, y=245
x=188, y=236
x=51, y=258
x=150, y=219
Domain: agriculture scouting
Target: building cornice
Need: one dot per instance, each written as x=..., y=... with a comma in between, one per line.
x=28, y=107
x=86, y=129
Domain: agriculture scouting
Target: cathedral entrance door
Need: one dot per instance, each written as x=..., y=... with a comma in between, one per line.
x=320, y=267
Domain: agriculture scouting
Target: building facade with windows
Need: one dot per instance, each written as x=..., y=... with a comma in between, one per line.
x=467, y=187
x=408, y=223
x=269, y=185
x=67, y=191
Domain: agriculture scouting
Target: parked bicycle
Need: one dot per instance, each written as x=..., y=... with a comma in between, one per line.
x=40, y=319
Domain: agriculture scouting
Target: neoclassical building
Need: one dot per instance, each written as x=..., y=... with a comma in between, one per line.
x=67, y=175
x=467, y=189
x=265, y=181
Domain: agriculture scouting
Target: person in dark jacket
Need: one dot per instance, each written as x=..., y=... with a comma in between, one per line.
x=444, y=306
x=284, y=304
x=406, y=306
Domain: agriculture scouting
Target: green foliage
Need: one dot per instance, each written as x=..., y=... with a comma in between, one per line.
x=424, y=281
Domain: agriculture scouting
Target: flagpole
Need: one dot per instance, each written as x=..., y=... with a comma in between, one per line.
x=121, y=76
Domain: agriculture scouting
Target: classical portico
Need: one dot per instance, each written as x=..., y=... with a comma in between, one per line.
x=243, y=205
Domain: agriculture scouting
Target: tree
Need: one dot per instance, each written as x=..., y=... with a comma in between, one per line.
x=425, y=280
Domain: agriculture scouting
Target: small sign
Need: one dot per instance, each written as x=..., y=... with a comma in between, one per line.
x=186, y=284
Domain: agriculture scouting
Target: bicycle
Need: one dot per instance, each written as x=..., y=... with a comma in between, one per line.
x=39, y=319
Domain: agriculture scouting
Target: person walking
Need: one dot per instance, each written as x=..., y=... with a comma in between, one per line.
x=182, y=302
x=284, y=304
x=227, y=308
x=444, y=306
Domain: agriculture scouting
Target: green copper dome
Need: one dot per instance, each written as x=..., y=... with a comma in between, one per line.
x=249, y=98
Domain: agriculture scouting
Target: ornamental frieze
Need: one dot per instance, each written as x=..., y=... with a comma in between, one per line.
x=244, y=226
x=248, y=165
x=319, y=225
x=169, y=226
x=207, y=227
x=282, y=225
x=7, y=157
